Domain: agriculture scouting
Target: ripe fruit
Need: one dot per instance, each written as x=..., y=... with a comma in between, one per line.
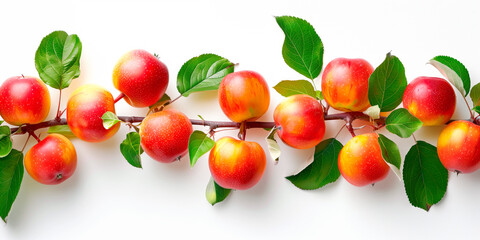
x=141, y=77
x=430, y=99
x=458, y=146
x=300, y=123
x=237, y=164
x=345, y=84
x=360, y=161
x=243, y=96
x=52, y=160
x=85, y=108
x=24, y=100
x=164, y=135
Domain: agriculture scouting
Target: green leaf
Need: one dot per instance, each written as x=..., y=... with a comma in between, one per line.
x=58, y=59
x=198, y=144
x=11, y=175
x=165, y=98
x=215, y=193
x=476, y=109
x=391, y=154
x=402, y=123
x=302, y=48
x=324, y=168
x=61, y=129
x=1, y=122
x=454, y=71
x=387, y=84
x=475, y=95
x=424, y=176
x=273, y=147
x=319, y=95
x=5, y=141
x=109, y=119
x=202, y=73
x=288, y=88
x=131, y=149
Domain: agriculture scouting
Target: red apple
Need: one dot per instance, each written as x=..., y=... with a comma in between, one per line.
x=24, y=100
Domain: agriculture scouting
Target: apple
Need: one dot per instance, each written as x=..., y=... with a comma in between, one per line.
x=360, y=161
x=141, y=77
x=24, y=100
x=299, y=120
x=430, y=99
x=164, y=135
x=85, y=108
x=345, y=84
x=52, y=160
x=458, y=146
x=236, y=164
x=243, y=96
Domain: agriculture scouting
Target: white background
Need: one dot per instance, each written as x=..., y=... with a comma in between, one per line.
x=107, y=198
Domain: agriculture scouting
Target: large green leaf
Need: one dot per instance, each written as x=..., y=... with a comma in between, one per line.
x=288, y=88
x=454, y=71
x=5, y=141
x=424, y=176
x=402, y=123
x=11, y=175
x=387, y=84
x=131, y=149
x=215, y=193
x=323, y=169
x=202, y=73
x=198, y=144
x=58, y=59
x=302, y=48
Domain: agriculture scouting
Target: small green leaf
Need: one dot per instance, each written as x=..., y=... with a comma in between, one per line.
x=58, y=59
x=475, y=95
x=215, y=193
x=424, y=176
x=402, y=123
x=165, y=98
x=273, y=147
x=391, y=154
x=288, y=88
x=202, y=73
x=1, y=122
x=11, y=175
x=387, y=84
x=198, y=144
x=61, y=129
x=454, y=71
x=131, y=149
x=324, y=168
x=109, y=119
x=373, y=112
x=319, y=95
x=5, y=141
x=302, y=48
x=476, y=109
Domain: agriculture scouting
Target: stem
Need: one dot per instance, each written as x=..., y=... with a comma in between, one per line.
x=26, y=141
x=468, y=106
x=172, y=101
x=242, y=134
x=119, y=97
x=34, y=136
x=58, y=108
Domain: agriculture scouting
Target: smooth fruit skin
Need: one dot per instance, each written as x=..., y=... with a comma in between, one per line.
x=24, y=100
x=85, y=108
x=243, y=96
x=430, y=99
x=237, y=164
x=164, y=135
x=458, y=146
x=360, y=161
x=52, y=160
x=141, y=77
x=345, y=84
x=299, y=120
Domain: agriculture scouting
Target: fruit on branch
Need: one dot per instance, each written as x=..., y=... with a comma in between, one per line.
x=243, y=96
x=24, y=100
x=141, y=77
x=430, y=99
x=164, y=135
x=85, y=108
x=52, y=160
x=237, y=164
x=345, y=84
x=299, y=120
x=458, y=146
x=360, y=161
